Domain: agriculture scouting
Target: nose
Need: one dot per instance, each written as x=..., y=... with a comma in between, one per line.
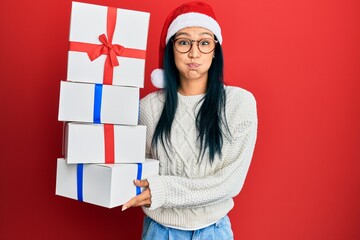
x=194, y=51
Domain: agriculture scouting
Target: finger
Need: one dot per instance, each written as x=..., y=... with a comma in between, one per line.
x=145, y=203
x=141, y=197
x=147, y=199
x=135, y=202
x=129, y=203
x=141, y=183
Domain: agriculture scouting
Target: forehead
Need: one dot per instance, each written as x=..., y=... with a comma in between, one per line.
x=194, y=32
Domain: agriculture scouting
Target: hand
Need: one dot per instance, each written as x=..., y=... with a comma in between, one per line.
x=143, y=199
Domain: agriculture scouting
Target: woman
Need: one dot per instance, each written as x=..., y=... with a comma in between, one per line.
x=202, y=132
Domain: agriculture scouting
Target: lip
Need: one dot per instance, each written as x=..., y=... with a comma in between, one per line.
x=193, y=65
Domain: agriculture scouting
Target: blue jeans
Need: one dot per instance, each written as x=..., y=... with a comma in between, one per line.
x=221, y=230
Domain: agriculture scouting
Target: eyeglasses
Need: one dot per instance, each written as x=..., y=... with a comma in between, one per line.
x=184, y=45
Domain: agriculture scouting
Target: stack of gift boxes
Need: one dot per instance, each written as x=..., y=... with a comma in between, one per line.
x=103, y=147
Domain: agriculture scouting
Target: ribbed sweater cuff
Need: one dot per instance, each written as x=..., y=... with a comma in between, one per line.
x=157, y=192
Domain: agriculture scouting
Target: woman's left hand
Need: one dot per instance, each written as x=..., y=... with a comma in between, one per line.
x=143, y=199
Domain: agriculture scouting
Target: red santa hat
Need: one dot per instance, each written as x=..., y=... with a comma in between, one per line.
x=192, y=14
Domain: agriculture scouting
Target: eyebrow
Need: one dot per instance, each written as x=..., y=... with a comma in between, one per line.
x=188, y=35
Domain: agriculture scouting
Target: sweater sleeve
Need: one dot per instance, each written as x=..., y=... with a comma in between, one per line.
x=225, y=183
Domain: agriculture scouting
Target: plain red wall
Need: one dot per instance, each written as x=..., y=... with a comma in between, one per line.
x=300, y=58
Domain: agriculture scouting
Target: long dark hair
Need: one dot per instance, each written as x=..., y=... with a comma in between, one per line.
x=210, y=120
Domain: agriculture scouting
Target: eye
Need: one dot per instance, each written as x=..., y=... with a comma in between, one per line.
x=183, y=41
x=205, y=42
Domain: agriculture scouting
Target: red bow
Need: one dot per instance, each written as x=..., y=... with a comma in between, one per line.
x=107, y=48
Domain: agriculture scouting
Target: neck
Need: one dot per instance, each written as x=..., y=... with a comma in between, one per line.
x=192, y=87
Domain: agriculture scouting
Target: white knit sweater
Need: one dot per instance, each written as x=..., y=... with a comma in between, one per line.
x=189, y=193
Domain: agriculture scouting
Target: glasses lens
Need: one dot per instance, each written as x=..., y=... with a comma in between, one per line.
x=182, y=45
x=206, y=45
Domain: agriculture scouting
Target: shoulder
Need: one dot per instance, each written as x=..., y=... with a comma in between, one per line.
x=240, y=110
x=154, y=98
x=239, y=97
x=151, y=105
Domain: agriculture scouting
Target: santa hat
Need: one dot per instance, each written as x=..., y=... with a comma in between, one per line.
x=192, y=14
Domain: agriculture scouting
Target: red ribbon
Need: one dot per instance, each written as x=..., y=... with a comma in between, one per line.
x=107, y=48
x=109, y=143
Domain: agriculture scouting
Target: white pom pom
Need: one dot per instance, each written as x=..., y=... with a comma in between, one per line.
x=157, y=78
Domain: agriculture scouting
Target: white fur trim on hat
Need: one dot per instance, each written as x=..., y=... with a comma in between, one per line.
x=157, y=78
x=193, y=19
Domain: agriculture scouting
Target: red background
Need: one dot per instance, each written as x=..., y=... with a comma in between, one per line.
x=300, y=58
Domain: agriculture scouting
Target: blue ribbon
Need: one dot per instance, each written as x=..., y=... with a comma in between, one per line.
x=80, y=173
x=97, y=103
x=139, y=173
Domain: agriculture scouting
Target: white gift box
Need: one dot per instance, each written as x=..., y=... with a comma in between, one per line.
x=99, y=143
x=97, y=103
x=107, y=185
x=129, y=29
